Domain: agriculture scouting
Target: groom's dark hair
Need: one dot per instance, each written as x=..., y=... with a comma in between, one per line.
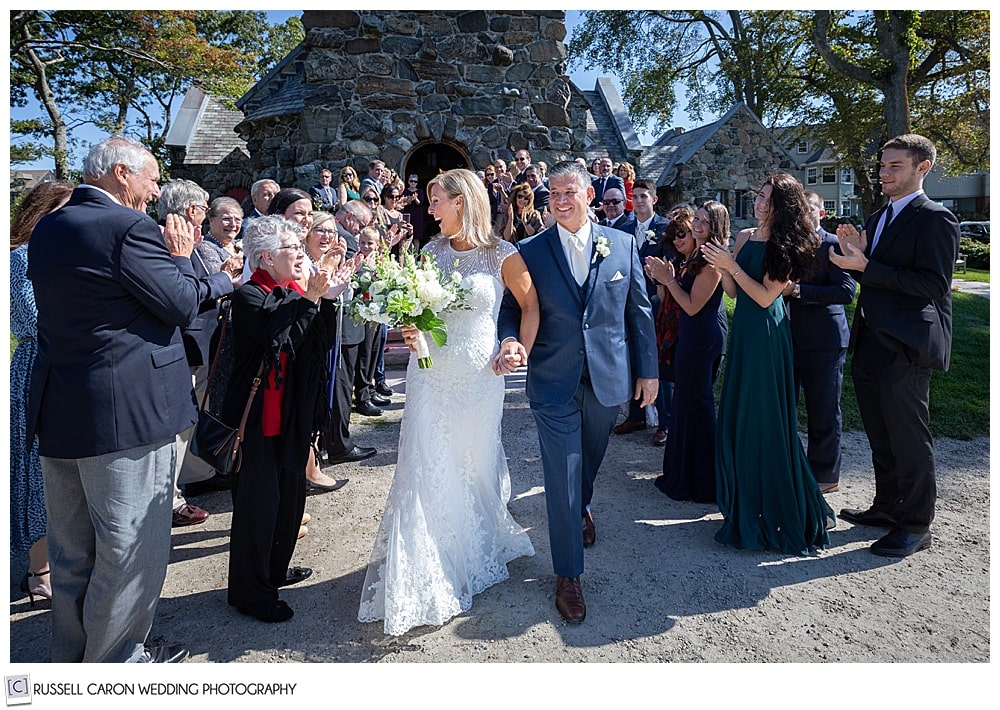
x=571, y=167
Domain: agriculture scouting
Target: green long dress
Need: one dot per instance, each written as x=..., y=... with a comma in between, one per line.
x=764, y=485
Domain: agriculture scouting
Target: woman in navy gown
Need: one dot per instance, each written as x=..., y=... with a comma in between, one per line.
x=689, y=455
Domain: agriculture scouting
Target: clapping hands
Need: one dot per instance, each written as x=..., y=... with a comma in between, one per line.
x=660, y=270
x=852, y=245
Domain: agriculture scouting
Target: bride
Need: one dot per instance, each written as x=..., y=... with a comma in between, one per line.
x=446, y=534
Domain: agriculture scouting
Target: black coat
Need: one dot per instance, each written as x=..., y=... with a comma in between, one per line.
x=265, y=324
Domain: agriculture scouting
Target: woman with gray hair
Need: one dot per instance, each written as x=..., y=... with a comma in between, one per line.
x=281, y=335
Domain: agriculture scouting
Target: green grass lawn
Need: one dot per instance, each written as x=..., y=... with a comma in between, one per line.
x=960, y=398
x=974, y=275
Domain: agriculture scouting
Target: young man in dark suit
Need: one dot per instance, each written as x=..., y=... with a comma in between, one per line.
x=902, y=331
x=819, y=339
x=646, y=221
x=110, y=390
x=596, y=334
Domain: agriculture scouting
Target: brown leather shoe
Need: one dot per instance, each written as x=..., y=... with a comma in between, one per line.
x=628, y=426
x=589, y=530
x=188, y=514
x=659, y=438
x=569, y=599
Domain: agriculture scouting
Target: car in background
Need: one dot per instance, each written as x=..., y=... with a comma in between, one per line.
x=979, y=231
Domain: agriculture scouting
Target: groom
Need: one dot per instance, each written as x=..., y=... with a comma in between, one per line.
x=595, y=338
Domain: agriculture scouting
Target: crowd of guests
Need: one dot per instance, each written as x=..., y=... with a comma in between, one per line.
x=104, y=390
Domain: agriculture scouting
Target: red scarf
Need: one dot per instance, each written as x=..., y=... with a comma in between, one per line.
x=275, y=390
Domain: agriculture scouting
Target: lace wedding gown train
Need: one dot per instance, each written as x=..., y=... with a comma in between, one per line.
x=446, y=533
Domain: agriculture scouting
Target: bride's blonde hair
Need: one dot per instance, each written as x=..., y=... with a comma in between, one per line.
x=477, y=228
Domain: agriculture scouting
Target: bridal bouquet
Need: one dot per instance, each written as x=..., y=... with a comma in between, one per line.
x=413, y=292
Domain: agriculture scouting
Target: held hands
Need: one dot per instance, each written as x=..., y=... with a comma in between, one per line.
x=719, y=258
x=512, y=355
x=853, y=247
x=178, y=234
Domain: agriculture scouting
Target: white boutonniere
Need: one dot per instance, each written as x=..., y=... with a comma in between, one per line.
x=651, y=236
x=602, y=247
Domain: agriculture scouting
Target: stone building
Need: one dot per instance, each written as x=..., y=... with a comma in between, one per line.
x=422, y=91
x=204, y=147
x=725, y=161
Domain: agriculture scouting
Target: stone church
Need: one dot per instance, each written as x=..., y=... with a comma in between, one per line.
x=426, y=91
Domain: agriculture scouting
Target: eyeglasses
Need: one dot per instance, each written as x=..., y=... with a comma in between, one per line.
x=681, y=235
x=292, y=247
x=412, y=180
x=370, y=199
x=230, y=220
x=611, y=202
x=393, y=197
x=324, y=230
x=203, y=208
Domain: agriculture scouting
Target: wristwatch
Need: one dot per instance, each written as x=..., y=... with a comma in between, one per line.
x=796, y=291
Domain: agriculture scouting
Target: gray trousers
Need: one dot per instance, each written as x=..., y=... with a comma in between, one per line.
x=109, y=544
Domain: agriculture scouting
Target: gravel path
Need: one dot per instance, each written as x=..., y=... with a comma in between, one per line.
x=658, y=587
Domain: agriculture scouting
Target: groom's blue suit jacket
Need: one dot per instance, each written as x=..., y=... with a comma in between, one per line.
x=608, y=324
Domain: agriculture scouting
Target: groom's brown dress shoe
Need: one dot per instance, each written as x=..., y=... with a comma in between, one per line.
x=569, y=599
x=875, y=518
x=589, y=530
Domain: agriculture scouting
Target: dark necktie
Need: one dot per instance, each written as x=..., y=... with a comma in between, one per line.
x=885, y=226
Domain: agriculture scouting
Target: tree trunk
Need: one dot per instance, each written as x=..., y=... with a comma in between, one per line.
x=60, y=149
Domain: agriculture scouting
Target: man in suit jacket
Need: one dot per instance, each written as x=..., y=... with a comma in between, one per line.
x=615, y=215
x=901, y=332
x=533, y=176
x=323, y=195
x=109, y=391
x=604, y=180
x=189, y=201
x=355, y=343
x=596, y=332
x=261, y=194
x=376, y=173
x=645, y=220
x=819, y=338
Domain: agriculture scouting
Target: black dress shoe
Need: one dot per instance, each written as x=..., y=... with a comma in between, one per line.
x=875, y=518
x=272, y=612
x=900, y=543
x=356, y=453
x=384, y=390
x=368, y=410
x=380, y=401
x=296, y=575
x=320, y=488
x=169, y=653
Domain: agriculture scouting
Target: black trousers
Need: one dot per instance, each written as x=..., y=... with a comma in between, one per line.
x=819, y=375
x=337, y=437
x=893, y=396
x=268, y=503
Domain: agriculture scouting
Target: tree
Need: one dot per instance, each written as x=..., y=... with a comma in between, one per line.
x=930, y=67
x=721, y=57
x=122, y=71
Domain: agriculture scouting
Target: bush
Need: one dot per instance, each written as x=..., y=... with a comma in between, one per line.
x=977, y=254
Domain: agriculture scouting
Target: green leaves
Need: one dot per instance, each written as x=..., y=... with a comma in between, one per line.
x=432, y=324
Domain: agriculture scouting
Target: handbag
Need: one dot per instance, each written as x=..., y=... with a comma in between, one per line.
x=214, y=442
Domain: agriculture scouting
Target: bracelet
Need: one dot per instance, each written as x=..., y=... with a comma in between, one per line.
x=737, y=273
x=671, y=281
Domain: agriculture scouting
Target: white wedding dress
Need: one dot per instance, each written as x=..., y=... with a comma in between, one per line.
x=446, y=533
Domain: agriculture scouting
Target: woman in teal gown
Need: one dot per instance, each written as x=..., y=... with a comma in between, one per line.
x=764, y=485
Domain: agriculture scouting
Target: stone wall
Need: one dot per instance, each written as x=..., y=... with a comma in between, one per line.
x=740, y=154
x=380, y=84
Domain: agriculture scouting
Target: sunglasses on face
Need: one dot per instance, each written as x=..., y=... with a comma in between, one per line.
x=371, y=199
x=611, y=202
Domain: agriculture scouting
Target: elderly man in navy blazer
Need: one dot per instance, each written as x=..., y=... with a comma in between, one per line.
x=595, y=338
x=110, y=390
x=902, y=332
x=819, y=337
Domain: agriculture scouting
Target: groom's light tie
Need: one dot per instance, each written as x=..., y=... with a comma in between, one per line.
x=580, y=265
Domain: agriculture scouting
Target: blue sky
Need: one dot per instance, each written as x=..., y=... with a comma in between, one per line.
x=584, y=79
